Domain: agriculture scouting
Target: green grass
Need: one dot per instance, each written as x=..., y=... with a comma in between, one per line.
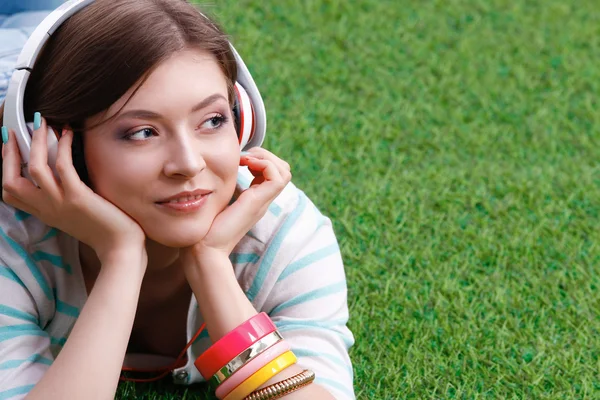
x=454, y=144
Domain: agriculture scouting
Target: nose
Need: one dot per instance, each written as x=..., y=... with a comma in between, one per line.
x=184, y=159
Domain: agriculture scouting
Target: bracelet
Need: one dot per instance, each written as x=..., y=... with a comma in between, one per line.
x=233, y=343
x=244, y=357
x=251, y=368
x=261, y=376
x=282, y=388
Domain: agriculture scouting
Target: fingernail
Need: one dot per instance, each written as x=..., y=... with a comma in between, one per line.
x=37, y=121
x=4, y=135
x=244, y=153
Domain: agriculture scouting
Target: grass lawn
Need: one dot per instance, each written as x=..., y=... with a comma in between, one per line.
x=452, y=143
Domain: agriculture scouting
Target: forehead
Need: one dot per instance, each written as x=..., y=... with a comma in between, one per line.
x=186, y=77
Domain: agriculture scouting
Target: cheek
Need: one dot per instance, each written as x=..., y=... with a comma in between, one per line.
x=112, y=175
x=230, y=165
x=225, y=158
x=97, y=162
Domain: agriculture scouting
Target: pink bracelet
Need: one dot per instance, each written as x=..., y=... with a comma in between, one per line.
x=233, y=343
x=250, y=369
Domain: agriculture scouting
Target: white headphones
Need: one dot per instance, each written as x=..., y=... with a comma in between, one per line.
x=249, y=110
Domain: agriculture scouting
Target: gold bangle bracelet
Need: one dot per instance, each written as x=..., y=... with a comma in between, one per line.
x=284, y=387
x=244, y=357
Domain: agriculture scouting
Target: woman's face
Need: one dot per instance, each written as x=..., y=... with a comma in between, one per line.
x=169, y=158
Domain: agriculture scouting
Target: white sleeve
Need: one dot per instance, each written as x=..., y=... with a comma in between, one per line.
x=308, y=303
x=24, y=345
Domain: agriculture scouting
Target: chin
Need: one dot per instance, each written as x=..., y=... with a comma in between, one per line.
x=177, y=238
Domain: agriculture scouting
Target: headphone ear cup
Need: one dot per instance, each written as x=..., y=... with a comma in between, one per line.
x=243, y=114
x=236, y=113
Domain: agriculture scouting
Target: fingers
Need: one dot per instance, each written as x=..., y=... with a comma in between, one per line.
x=11, y=159
x=281, y=165
x=284, y=174
x=38, y=161
x=64, y=164
x=14, y=186
x=39, y=145
x=22, y=193
x=263, y=171
x=18, y=203
x=271, y=174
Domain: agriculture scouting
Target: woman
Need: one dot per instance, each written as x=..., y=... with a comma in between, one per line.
x=156, y=225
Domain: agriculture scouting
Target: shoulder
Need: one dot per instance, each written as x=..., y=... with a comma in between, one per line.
x=19, y=228
x=42, y=261
x=31, y=250
x=291, y=218
x=287, y=228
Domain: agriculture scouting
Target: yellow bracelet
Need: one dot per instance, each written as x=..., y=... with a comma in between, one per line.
x=261, y=376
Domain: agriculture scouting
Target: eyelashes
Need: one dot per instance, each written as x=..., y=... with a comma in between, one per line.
x=135, y=136
x=218, y=120
x=212, y=124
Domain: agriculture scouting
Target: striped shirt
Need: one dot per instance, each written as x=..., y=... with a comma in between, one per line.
x=289, y=265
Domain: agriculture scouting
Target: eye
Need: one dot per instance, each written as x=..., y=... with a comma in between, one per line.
x=142, y=134
x=214, y=122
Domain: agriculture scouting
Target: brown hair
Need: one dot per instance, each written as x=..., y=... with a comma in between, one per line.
x=99, y=53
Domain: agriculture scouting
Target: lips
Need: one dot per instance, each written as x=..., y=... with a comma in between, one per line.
x=185, y=197
x=182, y=200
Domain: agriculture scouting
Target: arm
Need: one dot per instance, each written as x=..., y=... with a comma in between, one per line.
x=224, y=306
x=221, y=300
x=90, y=363
x=308, y=303
x=24, y=346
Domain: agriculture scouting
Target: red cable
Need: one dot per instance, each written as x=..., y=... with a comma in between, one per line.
x=179, y=362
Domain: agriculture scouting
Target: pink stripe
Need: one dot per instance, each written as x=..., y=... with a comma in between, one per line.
x=250, y=369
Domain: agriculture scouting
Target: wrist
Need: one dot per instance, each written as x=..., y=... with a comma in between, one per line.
x=222, y=302
x=204, y=260
x=135, y=257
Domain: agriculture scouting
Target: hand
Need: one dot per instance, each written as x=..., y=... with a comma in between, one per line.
x=66, y=203
x=271, y=175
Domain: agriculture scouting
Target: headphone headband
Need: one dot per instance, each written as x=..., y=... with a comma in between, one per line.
x=45, y=30
x=13, y=106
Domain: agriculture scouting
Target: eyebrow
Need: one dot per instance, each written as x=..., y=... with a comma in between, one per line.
x=153, y=115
